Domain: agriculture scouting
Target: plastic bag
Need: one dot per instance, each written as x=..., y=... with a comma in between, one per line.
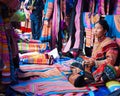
x=18, y=16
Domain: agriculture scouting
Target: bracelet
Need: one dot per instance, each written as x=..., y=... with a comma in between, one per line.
x=96, y=65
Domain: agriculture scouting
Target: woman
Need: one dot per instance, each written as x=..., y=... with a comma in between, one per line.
x=105, y=52
x=104, y=55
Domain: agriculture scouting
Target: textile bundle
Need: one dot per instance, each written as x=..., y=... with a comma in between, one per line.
x=35, y=58
x=31, y=47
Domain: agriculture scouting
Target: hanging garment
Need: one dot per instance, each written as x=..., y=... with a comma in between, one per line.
x=74, y=39
x=55, y=24
x=117, y=8
x=4, y=56
x=77, y=24
x=88, y=21
x=114, y=23
x=47, y=22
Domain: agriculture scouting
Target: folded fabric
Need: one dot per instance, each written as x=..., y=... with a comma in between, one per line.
x=113, y=85
x=31, y=47
x=35, y=58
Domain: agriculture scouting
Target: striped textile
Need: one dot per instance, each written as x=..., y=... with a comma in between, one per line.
x=117, y=8
x=55, y=23
x=46, y=33
x=34, y=58
x=89, y=21
x=77, y=24
x=46, y=30
x=101, y=9
x=26, y=26
x=35, y=67
x=4, y=56
x=31, y=47
x=113, y=85
x=55, y=84
x=44, y=73
x=72, y=28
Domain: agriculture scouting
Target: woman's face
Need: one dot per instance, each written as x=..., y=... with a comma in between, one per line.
x=99, y=31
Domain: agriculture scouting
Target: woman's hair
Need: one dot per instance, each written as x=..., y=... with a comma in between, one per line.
x=104, y=24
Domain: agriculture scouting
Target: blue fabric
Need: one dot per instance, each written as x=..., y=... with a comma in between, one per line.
x=46, y=5
x=113, y=32
x=102, y=91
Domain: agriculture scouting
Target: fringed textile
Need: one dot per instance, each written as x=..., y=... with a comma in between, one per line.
x=47, y=28
x=4, y=56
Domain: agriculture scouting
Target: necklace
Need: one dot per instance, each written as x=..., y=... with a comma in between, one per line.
x=98, y=47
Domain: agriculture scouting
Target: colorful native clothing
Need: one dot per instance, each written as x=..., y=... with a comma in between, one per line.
x=104, y=52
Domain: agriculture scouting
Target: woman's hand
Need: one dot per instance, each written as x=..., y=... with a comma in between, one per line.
x=89, y=62
x=88, y=65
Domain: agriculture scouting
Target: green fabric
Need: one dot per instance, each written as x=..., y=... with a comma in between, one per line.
x=18, y=16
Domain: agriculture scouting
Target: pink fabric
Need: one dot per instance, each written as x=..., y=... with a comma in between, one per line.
x=77, y=24
x=55, y=25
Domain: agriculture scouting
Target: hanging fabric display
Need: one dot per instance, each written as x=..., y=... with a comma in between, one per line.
x=47, y=23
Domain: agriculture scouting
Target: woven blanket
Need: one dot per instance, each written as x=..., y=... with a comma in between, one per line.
x=55, y=84
x=31, y=47
x=34, y=58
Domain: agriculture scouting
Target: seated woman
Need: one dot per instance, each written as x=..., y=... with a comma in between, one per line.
x=104, y=55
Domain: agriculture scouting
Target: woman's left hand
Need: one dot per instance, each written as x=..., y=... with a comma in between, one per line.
x=89, y=62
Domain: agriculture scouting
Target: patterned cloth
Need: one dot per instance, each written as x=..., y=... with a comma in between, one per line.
x=89, y=21
x=31, y=47
x=34, y=58
x=104, y=53
x=117, y=8
x=4, y=56
x=55, y=84
x=46, y=30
